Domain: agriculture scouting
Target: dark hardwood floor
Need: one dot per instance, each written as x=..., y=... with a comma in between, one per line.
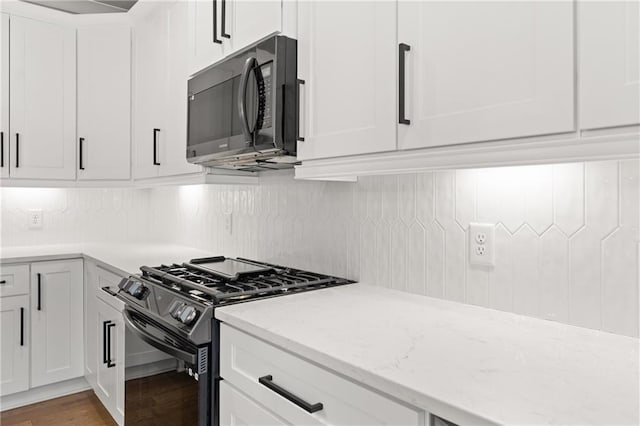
x=81, y=409
x=168, y=399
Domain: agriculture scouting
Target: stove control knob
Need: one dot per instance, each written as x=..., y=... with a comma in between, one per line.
x=188, y=315
x=137, y=290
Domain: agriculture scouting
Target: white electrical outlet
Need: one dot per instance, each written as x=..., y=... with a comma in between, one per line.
x=481, y=244
x=228, y=223
x=34, y=219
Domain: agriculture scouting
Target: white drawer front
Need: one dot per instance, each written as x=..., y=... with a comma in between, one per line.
x=14, y=280
x=244, y=359
x=237, y=409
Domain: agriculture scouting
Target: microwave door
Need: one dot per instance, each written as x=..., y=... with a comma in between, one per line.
x=211, y=120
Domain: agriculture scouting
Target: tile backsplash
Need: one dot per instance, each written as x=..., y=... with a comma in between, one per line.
x=567, y=236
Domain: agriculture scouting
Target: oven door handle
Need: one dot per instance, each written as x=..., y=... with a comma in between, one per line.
x=157, y=343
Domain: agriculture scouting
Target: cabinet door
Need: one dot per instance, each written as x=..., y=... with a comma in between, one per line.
x=236, y=409
x=150, y=55
x=347, y=58
x=173, y=147
x=480, y=71
x=43, y=99
x=4, y=95
x=104, y=102
x=246, y=22
x=203, y=50
x=56, y=321
x=110, y=371
x=14, y=344
x=609, y=63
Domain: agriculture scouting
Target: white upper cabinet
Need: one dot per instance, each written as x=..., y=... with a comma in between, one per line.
x=220, y=27
x=246, y=22
x=205, y=43
x=347, y=59
x=4, y=96
x=173, y=149
x=150, y=70
x=56, y=321
x=14, y=344
x=104, y=102
x=609, y=54
x=161, y=70
x=43, y=99
x=480, y=71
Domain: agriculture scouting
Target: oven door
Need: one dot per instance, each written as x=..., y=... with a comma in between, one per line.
x=166, y=392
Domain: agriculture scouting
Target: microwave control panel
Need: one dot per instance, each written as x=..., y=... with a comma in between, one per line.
x=267, y=95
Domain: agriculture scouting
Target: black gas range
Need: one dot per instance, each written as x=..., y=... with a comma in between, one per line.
x=171, y=307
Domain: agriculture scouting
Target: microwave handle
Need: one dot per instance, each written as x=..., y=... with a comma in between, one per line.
x=250, y=64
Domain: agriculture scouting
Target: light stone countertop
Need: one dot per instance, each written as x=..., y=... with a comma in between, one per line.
x=468, y=364
x=123, y=258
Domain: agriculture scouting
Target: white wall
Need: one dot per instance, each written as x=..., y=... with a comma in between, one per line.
x=566, y=250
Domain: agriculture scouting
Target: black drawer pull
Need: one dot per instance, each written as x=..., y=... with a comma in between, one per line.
x=309, y=408
x=110, y=362
x=215, y=23
x=223, y=30
x=39, y=291
x=403, y=48
x=17, y=150
x=21, y=326
x=1, y=149
x=81, y=154
x=155, y=147
x=105, y=357
x=3, y=282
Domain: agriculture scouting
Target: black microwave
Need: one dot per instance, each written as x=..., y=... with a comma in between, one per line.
x=243, y=111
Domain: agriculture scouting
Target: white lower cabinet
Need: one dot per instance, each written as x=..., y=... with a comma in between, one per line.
x=14, y=344
x=56, y=321
x=111, y=365
x=298, y=391
x=237, y=409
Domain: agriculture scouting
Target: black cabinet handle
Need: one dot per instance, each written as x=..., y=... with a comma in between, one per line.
x=21, y=326
x=3, y=282
x=155, y=147
x=110, y=362
x=299, y=83
x=403, y=48
x=39, y=291
x=215, y=23
x=17, y=150
x=223, y=25
x=309, y=408
x=1, y=149
x=81, y=146
x=105, y=358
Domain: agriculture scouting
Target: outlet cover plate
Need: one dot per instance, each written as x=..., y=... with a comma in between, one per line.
x=482, y=244
x=34, y=219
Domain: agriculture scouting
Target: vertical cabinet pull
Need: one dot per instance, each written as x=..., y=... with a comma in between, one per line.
x=155, y=147
x=223, y=25
x=110, y=362
x=81, y=146
x=1, y=149
x=298, y=137
x=403, y=49
x=215, y=23
x=105, y=357
x=17, y=150
x=39, y=291
x=267, y=381
x=21, y=326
